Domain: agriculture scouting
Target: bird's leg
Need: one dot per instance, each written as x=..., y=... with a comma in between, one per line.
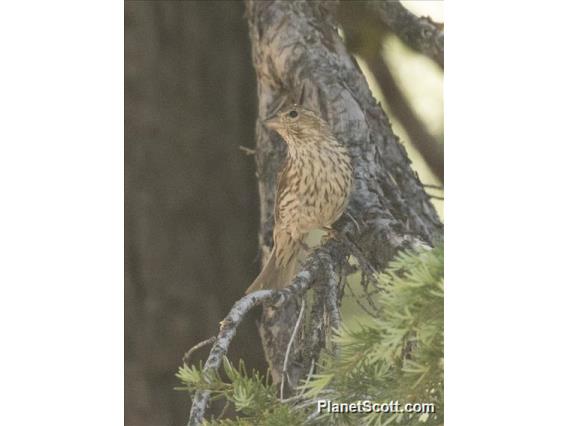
x=330, y=234
x=338, y=235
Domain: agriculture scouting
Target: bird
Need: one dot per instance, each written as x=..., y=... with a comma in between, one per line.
x=312, y=192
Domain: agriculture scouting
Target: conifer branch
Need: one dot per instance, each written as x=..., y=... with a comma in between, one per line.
x=420, y=33
x=296, y=49
x=304, y=279
x=374, y=362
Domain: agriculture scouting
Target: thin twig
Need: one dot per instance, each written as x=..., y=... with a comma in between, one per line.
x=361, y=259
x=350, y=216
x=291, y=399
x=314, y=400
x=303, y=388
x=365, y=285
x=313, y=416
x=427, y=185
x=247, y=151
x=285, y=366
x=304, y=279
x=206, y=342
x=370, y=293
x=374, y=315
x=224, y=410
x=435, y=197
x=309, y=377
x=420, y=33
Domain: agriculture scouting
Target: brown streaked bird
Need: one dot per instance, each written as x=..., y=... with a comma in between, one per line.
x=313, y=189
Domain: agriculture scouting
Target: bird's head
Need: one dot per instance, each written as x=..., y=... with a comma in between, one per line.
x=298, y=125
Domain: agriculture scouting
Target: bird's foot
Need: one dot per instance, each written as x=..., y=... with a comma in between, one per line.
x=330, y=234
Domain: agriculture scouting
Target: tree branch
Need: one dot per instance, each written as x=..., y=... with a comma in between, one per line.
x=241, y=308
x=431, y=150
x=296, y=49
x=365, y=36
x=420, y=33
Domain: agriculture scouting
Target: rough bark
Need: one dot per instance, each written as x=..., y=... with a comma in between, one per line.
x=190, y=214
x=420, y=33
x=365, y=34
x=431, y=150
x=230, y=323
x=296, y=48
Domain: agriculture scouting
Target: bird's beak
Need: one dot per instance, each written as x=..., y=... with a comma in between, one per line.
x=272, y=123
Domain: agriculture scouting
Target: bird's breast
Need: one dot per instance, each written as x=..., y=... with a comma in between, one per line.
x=321, y=181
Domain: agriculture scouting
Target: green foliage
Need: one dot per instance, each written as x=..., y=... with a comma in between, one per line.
x=252, y=395
x=395, y=357
x=400, y=355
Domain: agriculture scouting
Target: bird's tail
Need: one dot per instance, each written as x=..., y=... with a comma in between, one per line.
x=274, y=275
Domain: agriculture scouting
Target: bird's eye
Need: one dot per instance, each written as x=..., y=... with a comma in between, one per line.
x=293, y=114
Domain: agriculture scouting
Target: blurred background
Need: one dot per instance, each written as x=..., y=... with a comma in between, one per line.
x=191, y=201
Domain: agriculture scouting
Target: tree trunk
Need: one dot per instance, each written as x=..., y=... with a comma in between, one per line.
x=296, y=47
x=190, y=215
